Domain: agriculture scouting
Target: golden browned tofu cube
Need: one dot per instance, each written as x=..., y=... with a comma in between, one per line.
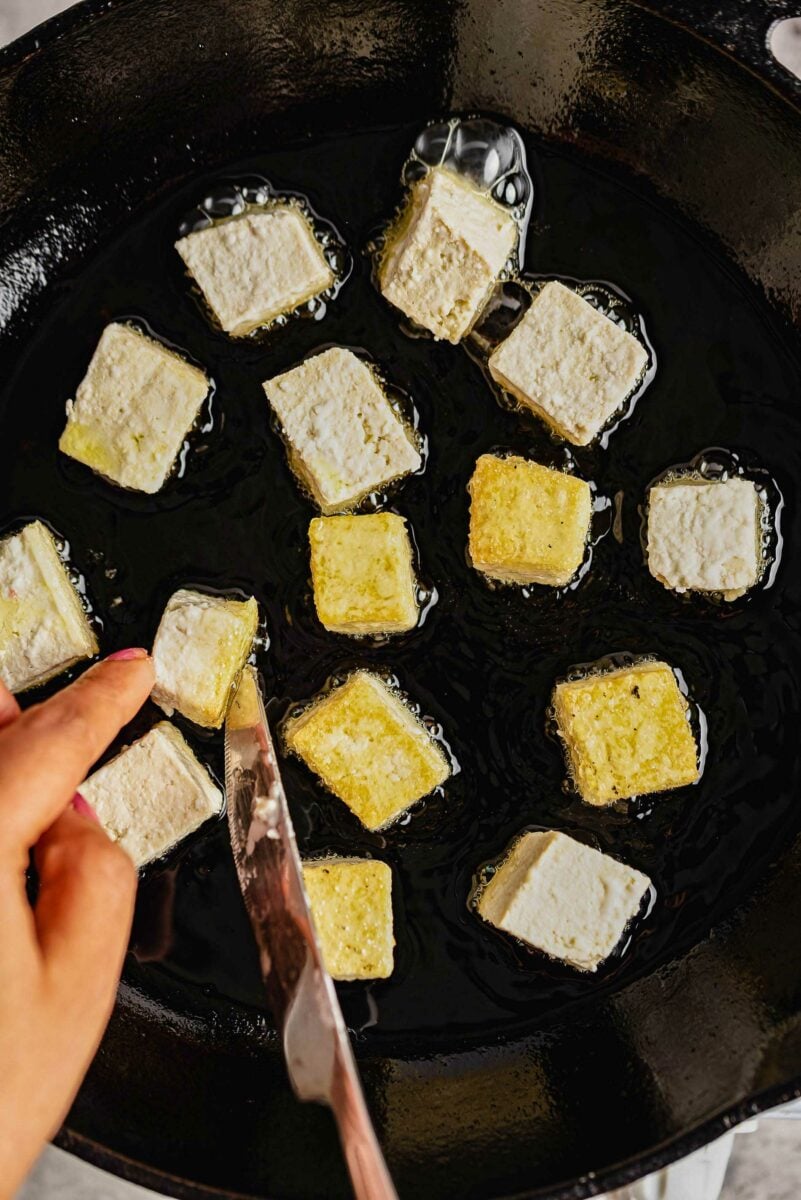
x=351, y=903
x=362, y=573
x=528, y=523
x=369, y=749
x=626, y=732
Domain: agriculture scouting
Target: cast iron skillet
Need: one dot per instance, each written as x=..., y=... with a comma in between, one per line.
x=106, y=111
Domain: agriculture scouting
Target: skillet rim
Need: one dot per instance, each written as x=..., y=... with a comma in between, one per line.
x=585, y=1186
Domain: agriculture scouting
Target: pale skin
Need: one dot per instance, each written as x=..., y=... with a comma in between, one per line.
x=60, y=961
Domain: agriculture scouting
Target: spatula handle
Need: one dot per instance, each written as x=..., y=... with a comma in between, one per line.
x=368, y=1170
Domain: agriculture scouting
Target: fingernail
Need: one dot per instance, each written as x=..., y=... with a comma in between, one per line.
x=127, y=655
x=83, y=808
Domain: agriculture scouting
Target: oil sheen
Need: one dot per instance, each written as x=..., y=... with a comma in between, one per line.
x=482, y=665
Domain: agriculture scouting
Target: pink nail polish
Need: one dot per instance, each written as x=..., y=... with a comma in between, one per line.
x=127, y=655
x=83, y=808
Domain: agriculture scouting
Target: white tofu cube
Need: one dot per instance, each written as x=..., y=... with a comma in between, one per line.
x=43, y=627
x=152, y=794
x=705, y=536
x=133, y=410
x=255, y=267
x=569, y=363
x=344, y=438
x=201, y=646
x=564, y=898
x=445, y=253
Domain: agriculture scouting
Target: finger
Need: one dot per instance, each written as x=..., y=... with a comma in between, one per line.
x=9, y=709
x=83, y=915
x=48, y=750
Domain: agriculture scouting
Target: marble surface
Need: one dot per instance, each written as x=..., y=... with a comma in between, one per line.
x=765, y=1165
x=16, y=16
x=59, y=1176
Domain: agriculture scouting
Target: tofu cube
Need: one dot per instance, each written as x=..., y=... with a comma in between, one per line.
x=254, y=267
x=569, y=363
x=362, y=573
x=133, y=410
x=43, y=627
x=444, y=255
x=564, y=898
x=344, y=438
x=201, y=646
x=368, y=749
x=626, y=732
x=528, y=523
x=351, y=903
x=705, y=536
x=152, y=794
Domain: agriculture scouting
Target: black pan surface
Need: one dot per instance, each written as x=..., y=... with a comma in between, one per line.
x=492, y=1072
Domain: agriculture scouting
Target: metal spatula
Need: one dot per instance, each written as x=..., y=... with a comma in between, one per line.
x=318, y=1054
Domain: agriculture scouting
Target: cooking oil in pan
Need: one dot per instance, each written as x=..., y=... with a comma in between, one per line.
x=483, y=663
x=489, y=155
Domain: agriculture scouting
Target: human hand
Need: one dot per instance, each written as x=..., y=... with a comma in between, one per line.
x=60, y=961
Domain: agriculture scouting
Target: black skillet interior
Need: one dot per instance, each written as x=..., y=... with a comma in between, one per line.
x=661, y=166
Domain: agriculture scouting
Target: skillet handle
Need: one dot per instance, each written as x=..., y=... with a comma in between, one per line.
x=368, y=1170
x=742, y=29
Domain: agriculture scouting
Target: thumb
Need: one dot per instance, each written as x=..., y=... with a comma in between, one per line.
x=82, y=918
x=83, y=915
